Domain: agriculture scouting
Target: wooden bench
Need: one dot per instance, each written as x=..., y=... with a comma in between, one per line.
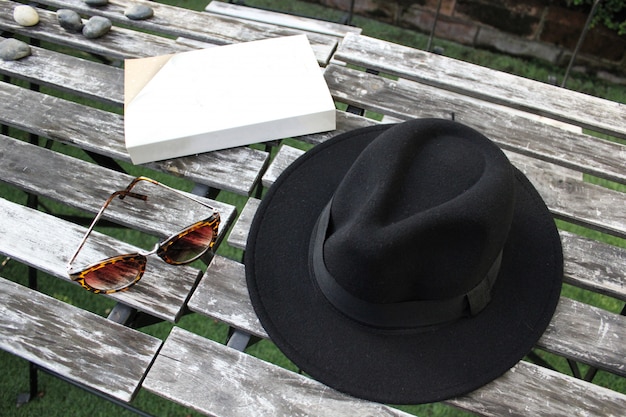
x=221, y=381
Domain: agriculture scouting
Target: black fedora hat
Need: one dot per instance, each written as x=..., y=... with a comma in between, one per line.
x=405, y=263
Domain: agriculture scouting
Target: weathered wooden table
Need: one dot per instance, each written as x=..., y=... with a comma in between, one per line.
x=62, y=94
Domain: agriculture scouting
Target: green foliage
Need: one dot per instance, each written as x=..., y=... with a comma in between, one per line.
x=610, y=13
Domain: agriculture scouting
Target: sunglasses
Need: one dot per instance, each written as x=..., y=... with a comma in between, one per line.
x=121, y=272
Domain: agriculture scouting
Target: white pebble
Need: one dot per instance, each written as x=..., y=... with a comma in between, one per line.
x=25, y=15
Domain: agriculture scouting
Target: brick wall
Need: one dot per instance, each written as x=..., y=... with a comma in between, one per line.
x=543, y=29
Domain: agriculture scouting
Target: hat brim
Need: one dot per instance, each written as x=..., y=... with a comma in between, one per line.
x=394, y=367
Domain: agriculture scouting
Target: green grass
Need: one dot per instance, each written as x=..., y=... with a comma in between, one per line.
x=58, y=398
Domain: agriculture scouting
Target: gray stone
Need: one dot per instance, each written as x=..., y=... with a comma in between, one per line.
x=96, y=3
x=70, y=20
x=96, y=27
x=139, y=12
x=13, y=49
x=25, y=15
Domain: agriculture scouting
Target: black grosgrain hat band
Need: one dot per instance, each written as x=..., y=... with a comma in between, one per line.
x=401, y=315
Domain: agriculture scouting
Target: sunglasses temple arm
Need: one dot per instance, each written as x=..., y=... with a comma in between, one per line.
x=150, y=180
x=121, y=195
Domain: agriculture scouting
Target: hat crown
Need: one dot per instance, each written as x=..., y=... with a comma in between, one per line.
x=421, y=215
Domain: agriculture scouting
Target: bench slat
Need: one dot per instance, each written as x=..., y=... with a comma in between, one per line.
x=86, y=78
x=239, y=233
x=594, y=265
x=606, y=350
x=563, y=190
x=180, y=22
x=162, y=292
x=47, y=332
x=223, y=295
x=587, y=334
x=345, y=122
x=280, y=19
x=574, y=200
x=589, y=264
x=530, y=390
x=475, y=81
x=220, y=381
x=511, y=129
x=283, y=158
x=86, y=186
x=237, y=170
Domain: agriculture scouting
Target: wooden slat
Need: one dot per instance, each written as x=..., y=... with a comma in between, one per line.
x=475, y=81
x=180, y=22
x=162, y=292
x=71, y=74
x=587, y=334
x=530, y=390
x=281, y=19
x=570, y=198
x=223, y=295
x=594, y=265
x=112, y=359
x=563, y=190
x=511, y=129
x=118, y=43
x=86, y=186
x=237, y=170
x=220, y=381
x=345, y=122
x=239, y=233
x=283, y=158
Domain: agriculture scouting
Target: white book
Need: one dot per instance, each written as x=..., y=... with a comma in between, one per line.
x=223, y=97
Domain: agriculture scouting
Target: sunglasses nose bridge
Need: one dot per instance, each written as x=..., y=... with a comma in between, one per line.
x=152, y=251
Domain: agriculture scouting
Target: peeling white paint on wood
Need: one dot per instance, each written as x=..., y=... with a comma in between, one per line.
x=74, y=343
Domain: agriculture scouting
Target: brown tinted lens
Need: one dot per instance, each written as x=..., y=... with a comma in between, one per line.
x=189, y=244
x=115, y=273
